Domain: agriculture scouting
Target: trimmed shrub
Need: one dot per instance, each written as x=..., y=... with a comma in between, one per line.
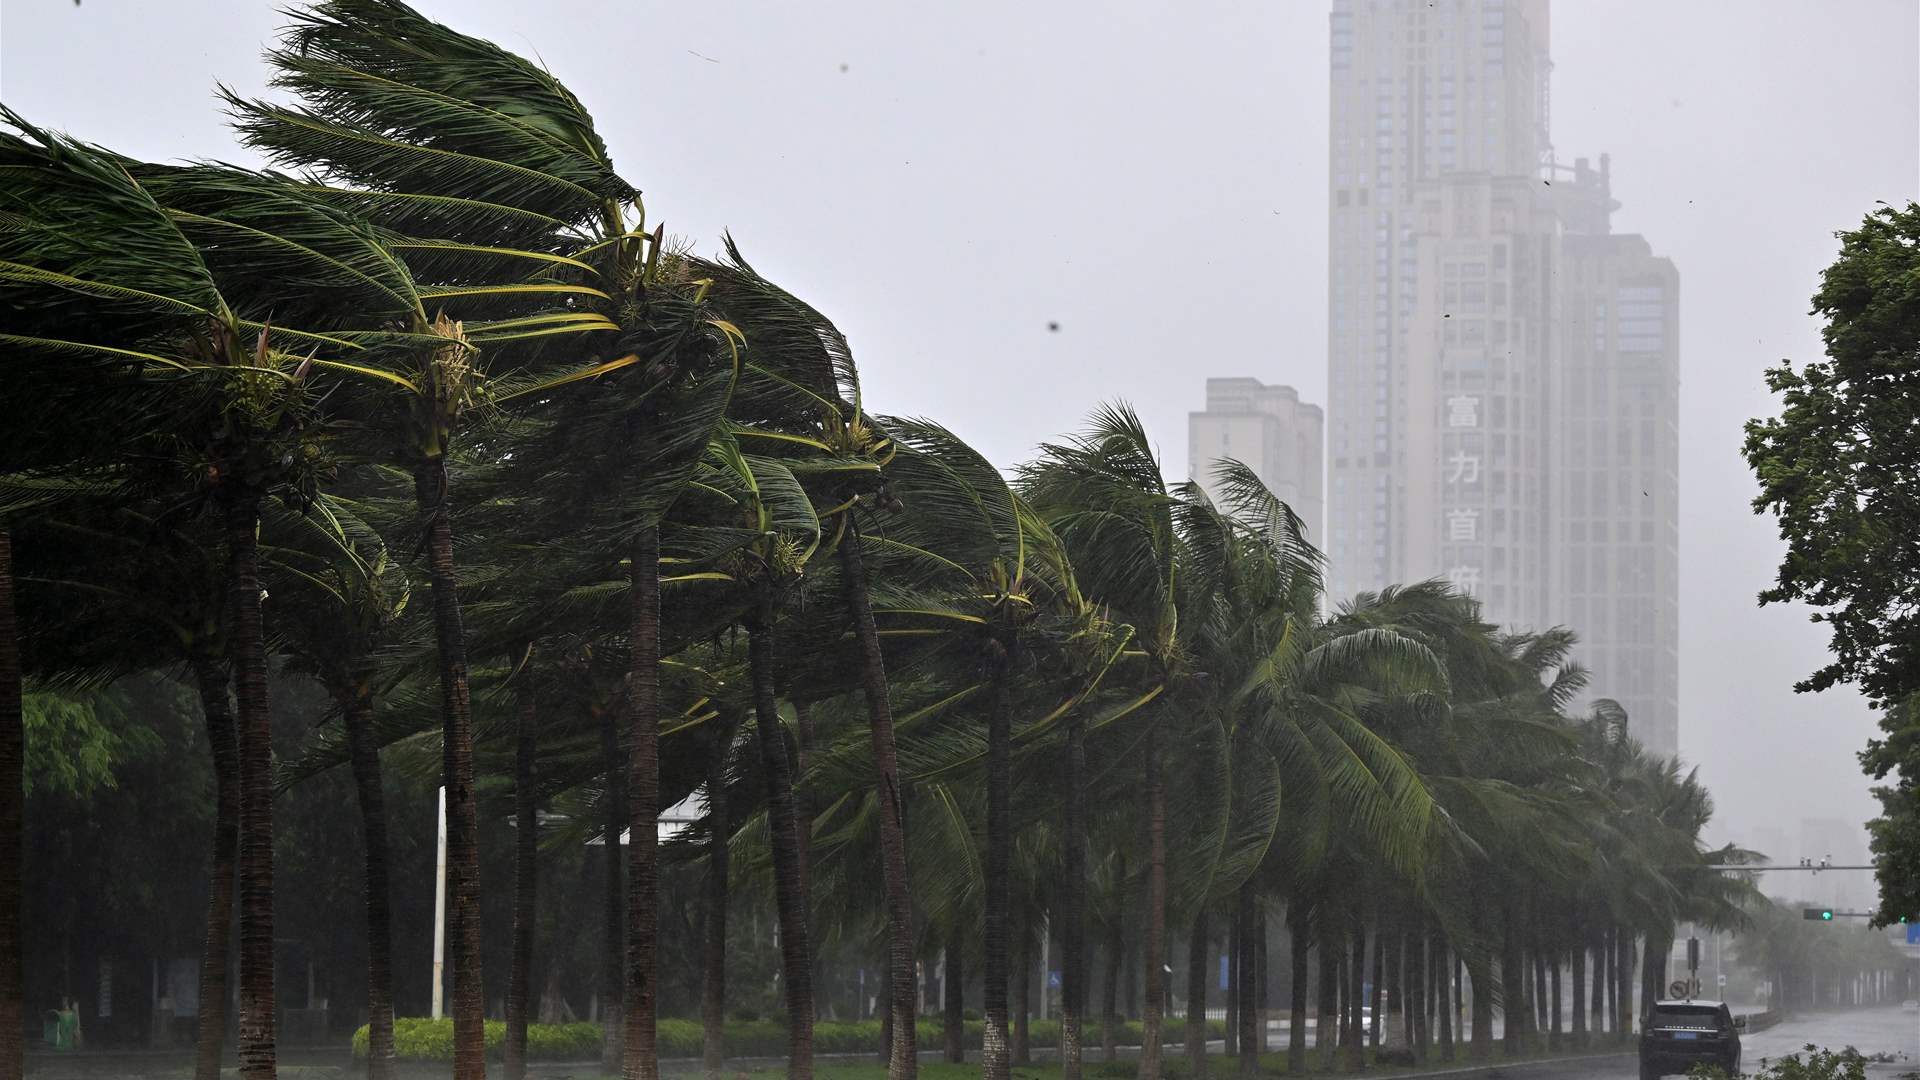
x=421, y=1039
x=418, y=1039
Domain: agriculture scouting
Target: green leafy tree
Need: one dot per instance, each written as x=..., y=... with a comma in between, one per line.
x=1836, y=470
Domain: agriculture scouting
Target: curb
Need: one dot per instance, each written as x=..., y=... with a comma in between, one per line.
x=1500, y=1066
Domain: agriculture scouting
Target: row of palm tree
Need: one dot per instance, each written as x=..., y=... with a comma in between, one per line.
x=435, y=415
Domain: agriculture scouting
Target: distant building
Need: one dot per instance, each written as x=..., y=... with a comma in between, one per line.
x=1488, y=334
x=1272, y=431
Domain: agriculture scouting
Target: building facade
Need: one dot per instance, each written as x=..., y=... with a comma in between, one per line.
x=1269, y=429
x=1616, y=498
x=1466, y=271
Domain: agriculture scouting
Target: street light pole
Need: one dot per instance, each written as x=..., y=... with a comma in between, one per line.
x=440, y=913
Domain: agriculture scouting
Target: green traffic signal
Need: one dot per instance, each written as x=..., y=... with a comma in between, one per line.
x=1822, y=914
x=1827, y=916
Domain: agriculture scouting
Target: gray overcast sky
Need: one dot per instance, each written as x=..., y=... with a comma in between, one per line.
x=1153, y=177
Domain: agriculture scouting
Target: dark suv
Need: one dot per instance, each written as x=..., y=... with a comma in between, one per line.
x=1680, y=1034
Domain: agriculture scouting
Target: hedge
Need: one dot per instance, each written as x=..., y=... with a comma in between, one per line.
x=421, y=1039
x=417, y=1039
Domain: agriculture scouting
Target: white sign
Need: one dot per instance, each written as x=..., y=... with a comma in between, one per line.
x=1464, y=578
x=1463, y=411
x=1464, y=468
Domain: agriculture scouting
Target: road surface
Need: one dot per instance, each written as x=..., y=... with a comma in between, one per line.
x=1871, y=1031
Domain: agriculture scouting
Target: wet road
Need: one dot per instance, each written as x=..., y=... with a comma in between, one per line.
x=1871, y=1031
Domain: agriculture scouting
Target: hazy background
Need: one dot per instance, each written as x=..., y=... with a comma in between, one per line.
x=1153, y=179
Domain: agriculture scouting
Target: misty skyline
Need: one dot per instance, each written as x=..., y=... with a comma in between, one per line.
x=945, y=185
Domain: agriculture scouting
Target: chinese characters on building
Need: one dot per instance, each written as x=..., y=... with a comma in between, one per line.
x=1463, y=472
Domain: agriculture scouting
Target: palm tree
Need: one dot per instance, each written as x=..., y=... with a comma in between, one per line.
x=525, y=867
x=713, y=986
x=403, y=119
x=1103, y=492
x=344, y=598
x=12, y=808
x=95, y=236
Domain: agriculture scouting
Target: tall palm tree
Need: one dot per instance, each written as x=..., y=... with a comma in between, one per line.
x=525, y=867
x=188, y=316
x=343, y=599
x=12, y=808
x=471, y=151
x=1103, y=492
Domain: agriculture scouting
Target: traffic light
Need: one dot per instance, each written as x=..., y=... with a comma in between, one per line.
x=1824, y=914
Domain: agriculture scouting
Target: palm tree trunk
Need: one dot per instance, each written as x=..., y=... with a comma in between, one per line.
x=1460, y=996
x=643, y=808
x=1654, y=949
x=1481, y=974
x=1357, y=994
x=886, y=1010
x=1541, y=1021
x=1341, y=1001
x=211, y=1027
x=1110, y=1009
x=1599, y=1002
x=1258, y=965
x=802, y=801
x=1394, y=947
x=1513, y=985
x=1625, y=949
x=463, y=825
x=1199, y=946
x=1153, y=960
x=1234, y=978
x=903, y=1063
x=1553, y=1007
x=1302, y=944
x=1326, y=1035
x=995, y=1061
x=713, y=983
x=1023, y=993
x=357, y=718
x=1419, y=978
x=1246, y=988
x=1375, y=1027
x=1073, y=935
x=1409, y=967
x=526, y=870
x=1442, y=968
x=1610, y=965
x=953, y=1028
x=613, y=956
x=246, y=641
x=12, y=826
x=796, y=955
x=1579, y=995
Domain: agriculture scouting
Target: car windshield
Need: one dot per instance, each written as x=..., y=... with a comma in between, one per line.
x=1691, y=1016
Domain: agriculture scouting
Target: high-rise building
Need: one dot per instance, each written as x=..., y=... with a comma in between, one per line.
x=1269, y=429
x=1442, y=259
x=1616, y=492
x=1466, y=271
